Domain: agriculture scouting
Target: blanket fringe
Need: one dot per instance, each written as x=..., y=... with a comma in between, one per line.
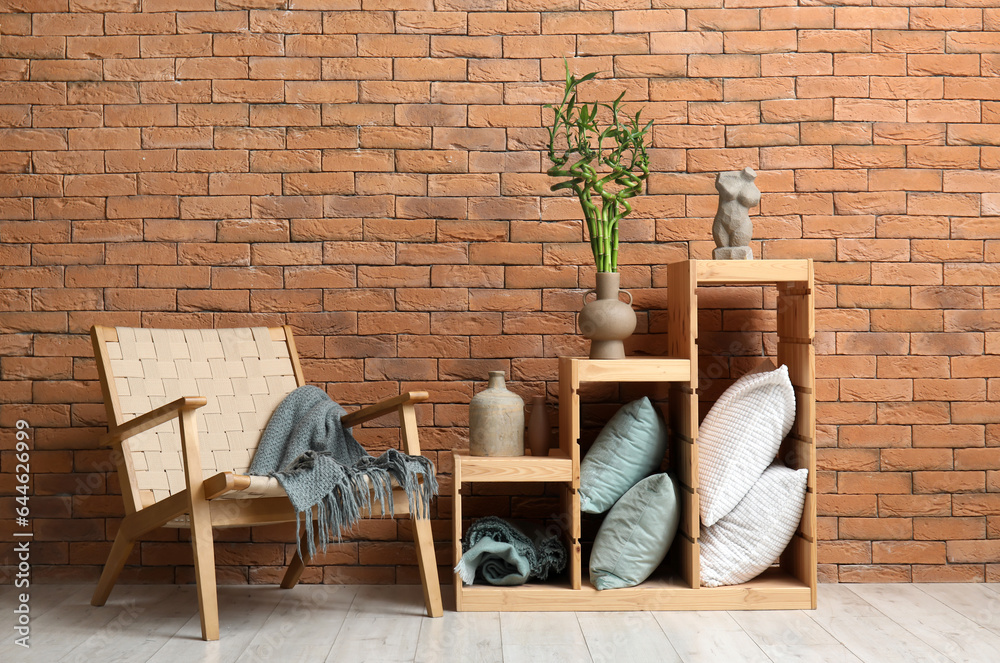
x=363, y=489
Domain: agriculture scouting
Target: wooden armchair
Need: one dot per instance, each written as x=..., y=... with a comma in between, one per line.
x=186, y=409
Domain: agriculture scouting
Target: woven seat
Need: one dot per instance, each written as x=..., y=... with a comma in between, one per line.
x=187, y=409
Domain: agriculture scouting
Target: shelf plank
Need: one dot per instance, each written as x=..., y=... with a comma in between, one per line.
x=555, y=467
x=773, y=590
x=633, y=369
x=732, y=272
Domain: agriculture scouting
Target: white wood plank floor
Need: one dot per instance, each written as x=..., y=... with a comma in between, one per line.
x=870, y=623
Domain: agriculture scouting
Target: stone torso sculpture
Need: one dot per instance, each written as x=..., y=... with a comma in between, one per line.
x=732, y=229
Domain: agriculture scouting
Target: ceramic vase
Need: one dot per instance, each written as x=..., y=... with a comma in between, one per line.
x=538, y=428
x=607, y=321
x=496, y=420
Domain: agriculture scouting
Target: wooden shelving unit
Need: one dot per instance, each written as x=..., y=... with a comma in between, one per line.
x=676, y=586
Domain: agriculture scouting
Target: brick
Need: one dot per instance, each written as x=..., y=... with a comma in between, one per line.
x=907, y=273
x=974, y=366
x=249, y=92
x=172, y=183
x=908, y=552
x=952, y=343
x=977, y=459
x=976, y=504
x=940, y=18
x=943, y=65
x=437, y=22
x=908, y=41
x=756, y=89
x=874, y=573
x=970, y=275
x=948, y=436
x=835, y=41
x=284, y=68
x=723, y=20
x=876, y=528
x=212, y=21
x=873, y=203
x=631, y=44
x=213, y=161
x=591, y=22
x=909, y=134
x=764, y=41
x=907, y=180
x=914, y=505
x=973, y=551
x=866, y=64
x=356, y=22
x=844, y=552
x=958, y=389
x=847, y=505
x=286, y=22
x=124, y=207
x=890, y=320
x=247, y=44
x=975, y=228
x=328, y=45
x=959, y=110
x=852, y=460
x=844, y=133
x=176, y=91
x=872, y=343
x=686, y=42
x=950, y=482
x=873, y=436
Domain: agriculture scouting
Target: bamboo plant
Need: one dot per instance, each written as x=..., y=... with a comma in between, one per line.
x=603, y=167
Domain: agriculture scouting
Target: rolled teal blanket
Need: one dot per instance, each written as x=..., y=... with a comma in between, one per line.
x=502, y=553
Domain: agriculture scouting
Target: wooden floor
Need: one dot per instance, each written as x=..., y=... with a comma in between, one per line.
x=877, y=623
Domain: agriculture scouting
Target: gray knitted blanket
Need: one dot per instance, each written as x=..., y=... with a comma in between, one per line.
x=505, y=553
x=320, y=464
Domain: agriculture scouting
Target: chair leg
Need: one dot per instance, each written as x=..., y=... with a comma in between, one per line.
x=203, y=544
x=120, y=550
x=297, y=565
x=427, y=561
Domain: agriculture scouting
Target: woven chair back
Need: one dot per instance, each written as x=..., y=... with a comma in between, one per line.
x=244, y=374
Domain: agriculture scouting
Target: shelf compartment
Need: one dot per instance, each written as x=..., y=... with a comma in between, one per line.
x=557, y=468
x=773, y=590
x=573, y=371
x=796, y=332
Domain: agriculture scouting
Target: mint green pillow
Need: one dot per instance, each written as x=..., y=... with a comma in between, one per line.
x=629, y=447
x=636, y=534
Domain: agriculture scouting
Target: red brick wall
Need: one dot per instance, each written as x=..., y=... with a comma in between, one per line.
x=369, y=172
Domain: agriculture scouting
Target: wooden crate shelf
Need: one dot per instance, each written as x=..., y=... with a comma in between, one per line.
x=791, y=584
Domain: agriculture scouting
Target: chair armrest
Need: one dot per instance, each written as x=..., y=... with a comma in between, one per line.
x=225, y=482
x=151, y=419
x=383, y=407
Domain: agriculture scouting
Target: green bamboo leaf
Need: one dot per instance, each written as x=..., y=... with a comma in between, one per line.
x=603, y=166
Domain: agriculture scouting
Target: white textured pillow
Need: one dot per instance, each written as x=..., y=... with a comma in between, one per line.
x=739, y=438
x=753, y=535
